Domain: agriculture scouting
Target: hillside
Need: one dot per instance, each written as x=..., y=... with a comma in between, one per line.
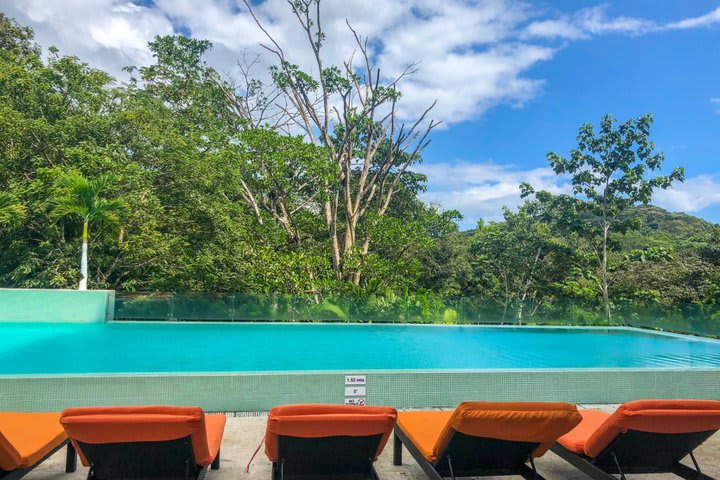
x=662, y=228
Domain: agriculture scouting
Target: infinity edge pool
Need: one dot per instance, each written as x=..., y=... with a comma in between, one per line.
x=419, y=388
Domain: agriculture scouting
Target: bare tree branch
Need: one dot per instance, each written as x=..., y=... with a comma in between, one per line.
x=352, y=112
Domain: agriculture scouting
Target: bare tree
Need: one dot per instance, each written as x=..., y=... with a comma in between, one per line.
x=352, y=112
x=260, y=104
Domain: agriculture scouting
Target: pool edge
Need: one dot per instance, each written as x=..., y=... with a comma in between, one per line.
x=402, y=389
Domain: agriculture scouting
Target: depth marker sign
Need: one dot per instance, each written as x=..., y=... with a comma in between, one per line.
x=355, y=389
x=355, y=379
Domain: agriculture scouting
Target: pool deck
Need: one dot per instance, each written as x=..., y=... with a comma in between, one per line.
x=244, y=433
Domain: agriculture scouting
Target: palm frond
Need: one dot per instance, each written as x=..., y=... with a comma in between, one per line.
x=83, y=198
x=11, y=210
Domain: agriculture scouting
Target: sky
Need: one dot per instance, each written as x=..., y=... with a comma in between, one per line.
x=513, y=79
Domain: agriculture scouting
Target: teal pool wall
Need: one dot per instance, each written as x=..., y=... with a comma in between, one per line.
x=38, y=305
x=233, y=392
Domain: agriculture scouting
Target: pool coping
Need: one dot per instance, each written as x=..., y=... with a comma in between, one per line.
x=361, y=371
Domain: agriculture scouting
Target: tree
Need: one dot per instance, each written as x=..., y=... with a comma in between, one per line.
x=83, y=198
x=351, y=112
x=219, y=203
x=611, y=171
x=53, y=119
x=10, y=209
x=15, y=39
x=227, y=197
x=446, y=265
x=241, y=199
x=517, y=261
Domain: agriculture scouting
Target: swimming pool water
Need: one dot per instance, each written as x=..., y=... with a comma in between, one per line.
x=127, y=347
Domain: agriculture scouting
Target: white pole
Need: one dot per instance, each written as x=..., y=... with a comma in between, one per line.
x=84, y=260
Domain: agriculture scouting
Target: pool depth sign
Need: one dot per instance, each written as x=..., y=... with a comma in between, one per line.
x=355, y=389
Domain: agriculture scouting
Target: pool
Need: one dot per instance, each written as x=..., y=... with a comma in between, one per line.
x=129, y=347
x=254, y=366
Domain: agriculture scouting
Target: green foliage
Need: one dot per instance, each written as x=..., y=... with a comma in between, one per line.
x=610, y=171
x=84, y=199
x=16, y=40
x=289, y=75
x=518, y=260
x=662, y=229
x=216, y=206
x=11, y=211
x=213, y=204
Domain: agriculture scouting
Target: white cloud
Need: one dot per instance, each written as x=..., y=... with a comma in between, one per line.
x=108, y=34
x=474, y=54
x=470, y=58
x=695, y=194
x=586, y=23
x=555, y=28
x=480, y=190
x=706, y=20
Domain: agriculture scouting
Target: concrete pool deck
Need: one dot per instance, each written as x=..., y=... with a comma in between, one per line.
x=244, y=433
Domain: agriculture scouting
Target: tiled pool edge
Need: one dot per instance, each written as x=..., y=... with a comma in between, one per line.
x=402, y=389
x=56, y=305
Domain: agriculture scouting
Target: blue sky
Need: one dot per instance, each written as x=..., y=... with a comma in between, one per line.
x=514, y=79
x=671, y=74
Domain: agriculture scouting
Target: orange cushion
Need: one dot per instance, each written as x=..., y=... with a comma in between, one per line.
x=215, y=426
x=577, y=437
x=317, y=420
x=513, y=421
x=656, y=416
x=143, y=424
x=541, y=422
x=423, y=428
x=25, y=438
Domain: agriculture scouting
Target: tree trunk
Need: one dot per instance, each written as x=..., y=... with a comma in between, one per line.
x=505, y=309
x=331, y=223
x=604, y=275
x=363, y=253
x=84, y=259
x=520, y=312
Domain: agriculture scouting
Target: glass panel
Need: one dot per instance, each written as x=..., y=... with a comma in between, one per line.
x=261, y=308
x=203, y=307
x=143, y=306
x=413, y=308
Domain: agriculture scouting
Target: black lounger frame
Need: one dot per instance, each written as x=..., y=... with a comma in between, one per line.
x=167, y=460
x=70, y=463
x=641, y=452
x=345, y=457
x=470, y=456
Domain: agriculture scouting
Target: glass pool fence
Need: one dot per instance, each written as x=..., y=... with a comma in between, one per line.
x=416, y=308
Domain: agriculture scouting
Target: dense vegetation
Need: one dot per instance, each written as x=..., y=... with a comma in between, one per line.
x=217, y=196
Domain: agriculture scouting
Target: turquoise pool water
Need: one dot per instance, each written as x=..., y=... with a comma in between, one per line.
x=127, y=347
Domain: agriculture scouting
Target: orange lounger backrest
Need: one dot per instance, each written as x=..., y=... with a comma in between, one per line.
x=137, y=424
x=9, y=456
x=317, y=421
x=513, y=421
x=26, y=437
x=655, y=416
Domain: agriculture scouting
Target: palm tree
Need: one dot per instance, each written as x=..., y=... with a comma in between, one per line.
x=10, y=209
x=83, y=198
